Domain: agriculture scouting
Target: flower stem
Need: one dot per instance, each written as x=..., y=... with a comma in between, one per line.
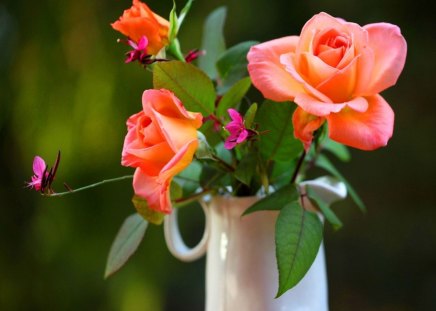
x=192, y=198
x=299, y=165
x=71, y=191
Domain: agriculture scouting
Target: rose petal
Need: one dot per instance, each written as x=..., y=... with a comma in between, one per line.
x=156, y=193
x=367, y=131
x=268, y=74
x=389, y=50
x=179, y=162
x=151, y=159
x=288, y=61
x=316, y=107
x=304, y=126
x=340, y=86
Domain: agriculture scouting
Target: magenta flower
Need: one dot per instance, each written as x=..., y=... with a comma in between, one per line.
x=139, y=51
x=40, y=170
x=238, y=131
x=193, y=55
x=43, y=177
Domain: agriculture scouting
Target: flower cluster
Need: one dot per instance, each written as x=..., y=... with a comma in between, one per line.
x=199, y=133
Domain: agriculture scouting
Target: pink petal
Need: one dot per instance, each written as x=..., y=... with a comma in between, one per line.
x=235, y=116
x=242, y=136
x=389, y=48
x=304, y=126
x=316, y=107
x=268, y=74
x=156, y=193
x=38, y=166
x=229, y=144
x=288, y=61
x=368, y=130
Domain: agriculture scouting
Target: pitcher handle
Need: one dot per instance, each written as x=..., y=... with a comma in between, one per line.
x=174, y=240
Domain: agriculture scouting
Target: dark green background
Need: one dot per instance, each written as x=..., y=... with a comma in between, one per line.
x=63, y=86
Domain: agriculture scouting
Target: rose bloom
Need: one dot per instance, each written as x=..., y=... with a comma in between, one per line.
x=139, y=21
x=334, y=71
x=160, y=142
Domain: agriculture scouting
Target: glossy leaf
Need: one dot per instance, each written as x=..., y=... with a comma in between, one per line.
x=232, y=65
x=278, y=143
x=213, y=42
x=126, y=242
x=188, y=83
x=298, y=237
x=325, y=209
x=233, y=97
x=147, y=213
x=275, y=201
x=324, y=163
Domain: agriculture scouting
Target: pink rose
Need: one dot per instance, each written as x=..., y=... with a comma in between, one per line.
x=334, y=71
x=160, y=142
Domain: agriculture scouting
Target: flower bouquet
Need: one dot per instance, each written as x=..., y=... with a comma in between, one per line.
x=200, y=135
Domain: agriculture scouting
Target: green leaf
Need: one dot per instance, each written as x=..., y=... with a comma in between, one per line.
x=188, y=83
x=203, y=151
x=337, y=149
x=213, y=41
x=234, y=59
x=125, y=244
x=147, y=213
x=189, y=178
x=298, y=237
x=246, y=169
x=279, y=142
x=324, y=163
x=250, y=115
x=176, y=191
x=275, y=201
x=184, y=12
x=176, y=22
x=282, y=172
x=233, y=97
x=325, y=209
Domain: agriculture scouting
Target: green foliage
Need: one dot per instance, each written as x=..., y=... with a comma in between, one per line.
x=337, y=149
x=126, y=242
x=232, y=65
x=189, y=178
x=279, y=142
x=147, y=213
x=324, y=163
x=298, y=238
x=275, y=201
x=213, y=41
x=233, y=97
x=246, y=168
x=188, y=83
x=203, y=151
x=325, y=208
x=250, y=115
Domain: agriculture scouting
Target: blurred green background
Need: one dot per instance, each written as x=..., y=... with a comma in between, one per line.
x=64, y=86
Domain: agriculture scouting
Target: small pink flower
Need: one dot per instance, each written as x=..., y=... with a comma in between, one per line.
x=40, y=170
x=43, y=177
x=193, y=55
x=237, y=130
x=139, y=51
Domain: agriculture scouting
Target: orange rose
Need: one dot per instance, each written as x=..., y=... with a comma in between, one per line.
x=160, y=143
x=139, y=21
x=334, y=71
